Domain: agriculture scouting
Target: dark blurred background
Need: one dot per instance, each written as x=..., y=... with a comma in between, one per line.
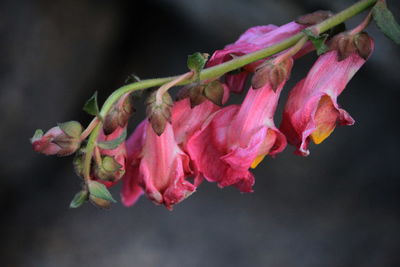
x=338, y=207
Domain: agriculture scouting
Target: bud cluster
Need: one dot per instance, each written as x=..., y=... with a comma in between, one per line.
x=200, y=92
x=347, y=44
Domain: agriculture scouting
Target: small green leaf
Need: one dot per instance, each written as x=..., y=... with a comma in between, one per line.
x=196, y=62
x=79, y=199
x=99, y=190
x=113, y=144
x=37, y=135
x=386, y=22
x=318, y=41
x=91, y=105
x=132, y=78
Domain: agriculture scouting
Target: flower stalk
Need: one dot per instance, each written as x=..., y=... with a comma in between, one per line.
x=294, y=41
x=89, y=129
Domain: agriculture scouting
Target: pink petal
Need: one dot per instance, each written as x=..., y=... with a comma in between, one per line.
x=325, y=82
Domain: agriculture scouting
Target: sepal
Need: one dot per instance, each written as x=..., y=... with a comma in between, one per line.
x=159, y=114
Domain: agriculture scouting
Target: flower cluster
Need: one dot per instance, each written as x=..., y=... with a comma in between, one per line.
x=197, y=138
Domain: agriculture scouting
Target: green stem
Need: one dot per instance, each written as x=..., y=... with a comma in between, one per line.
x=87, y=159
x=292, y=51
x=166, y=86
x=89, y=129
x=219, y=70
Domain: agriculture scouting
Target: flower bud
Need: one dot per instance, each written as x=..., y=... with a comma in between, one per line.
x=196, y=95
x=119, y=114
x=214, y=91
x=314, y=18
x=99, y=202
x=108, y=170
x=62, y=140
x=200, y=92
x=347, y=44
x=275, y=74
x=159, y=114
x=363, y=44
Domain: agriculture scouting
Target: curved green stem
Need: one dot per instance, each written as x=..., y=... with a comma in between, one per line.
x=87, y=159
x=219, y=70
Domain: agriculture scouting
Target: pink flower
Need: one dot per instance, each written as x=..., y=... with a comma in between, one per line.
x=253, y=39
x=186, y=121
x=311, y=111
x=160, y=168
x=239, y=137
x=131, y=191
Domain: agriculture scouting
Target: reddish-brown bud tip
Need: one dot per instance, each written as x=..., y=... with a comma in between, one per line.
x=260, y=77
x=119, y=114
x=214, y=91
x=274, y=74
x=344, y=44
x=196, y=94
x=159, y=114
x=314, y=18
x=71, y=128
x=363, y=44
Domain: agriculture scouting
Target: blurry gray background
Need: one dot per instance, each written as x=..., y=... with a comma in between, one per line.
x=338, y=207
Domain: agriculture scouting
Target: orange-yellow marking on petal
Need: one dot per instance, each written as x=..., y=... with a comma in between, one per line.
x=325, y=119
x=257, y=161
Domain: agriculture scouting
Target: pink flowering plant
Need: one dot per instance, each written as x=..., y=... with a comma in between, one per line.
x=198, y=137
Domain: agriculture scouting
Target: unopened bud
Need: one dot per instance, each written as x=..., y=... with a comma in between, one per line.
x=196, y=95
x=261, y=76
x=363, y=44
x=159, y=114
x=119, y=114
x=314, y=18
x=274, y=74
x=344, y=45
x=71, y=128
x=99, y=202
x=62, y=140
x=67, y=144
x=214, y=91
x=108, y=170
